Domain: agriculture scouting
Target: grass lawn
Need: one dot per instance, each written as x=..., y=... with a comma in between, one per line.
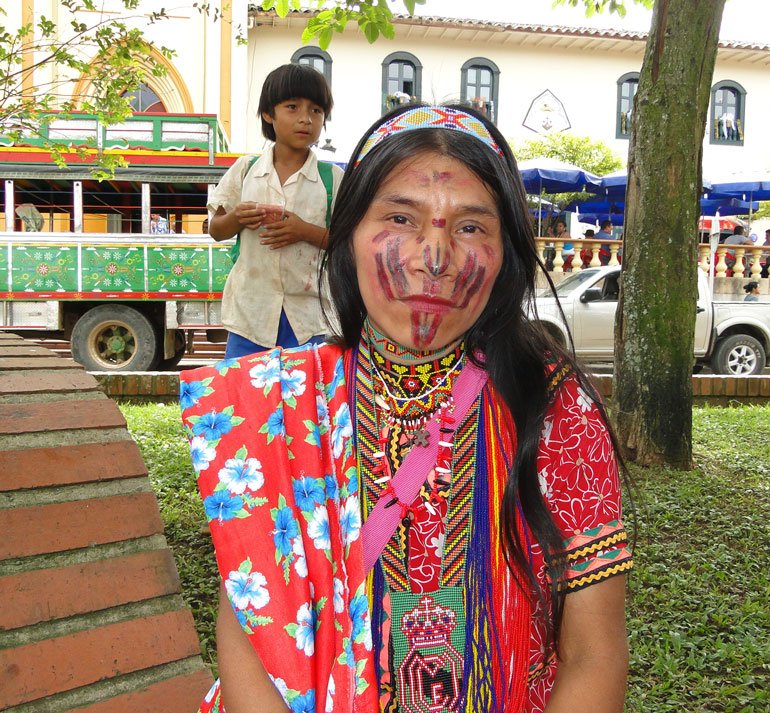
x=699, y=597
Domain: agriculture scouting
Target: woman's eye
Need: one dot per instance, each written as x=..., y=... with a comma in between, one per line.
x=471, y=229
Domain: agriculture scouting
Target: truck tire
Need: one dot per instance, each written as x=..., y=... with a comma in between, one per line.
x=738, y=355
x=180, y=344
x=114, y=338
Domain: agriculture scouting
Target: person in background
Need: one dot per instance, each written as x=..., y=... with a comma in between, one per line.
x=737, y=238
x=205, y=226
x=278, y=204
x=605, y=233
x=568, y=249
x=159, y=225
x=586, y=254
x=752, y=291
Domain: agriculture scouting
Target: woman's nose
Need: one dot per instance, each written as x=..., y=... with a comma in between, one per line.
x=436, y=251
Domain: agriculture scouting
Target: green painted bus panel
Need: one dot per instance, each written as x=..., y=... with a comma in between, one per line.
x=113, y=268
x=146, y=268
x=44, y=268
x=178, y=269
x=221, y=264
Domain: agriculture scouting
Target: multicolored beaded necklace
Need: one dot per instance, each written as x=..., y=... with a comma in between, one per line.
x=423, y=564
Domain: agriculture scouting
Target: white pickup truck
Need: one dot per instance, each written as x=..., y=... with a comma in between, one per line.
x=732, y=337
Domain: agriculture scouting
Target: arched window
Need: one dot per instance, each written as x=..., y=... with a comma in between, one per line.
x=401, y=80
x=316, y=58
x=144, y=98
x=479, y=83
x=627, y=86
x=728, y=113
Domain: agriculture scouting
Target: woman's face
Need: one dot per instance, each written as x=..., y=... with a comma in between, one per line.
x=428, y=251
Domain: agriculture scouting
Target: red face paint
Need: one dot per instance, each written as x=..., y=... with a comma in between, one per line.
x=424, y=328
x=441, y=175
x=438, y=222
x=380, y=236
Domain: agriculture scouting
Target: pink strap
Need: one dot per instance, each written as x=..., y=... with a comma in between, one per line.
x=408, y=479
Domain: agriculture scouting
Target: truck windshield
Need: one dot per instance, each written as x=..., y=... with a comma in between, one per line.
x=570, y=284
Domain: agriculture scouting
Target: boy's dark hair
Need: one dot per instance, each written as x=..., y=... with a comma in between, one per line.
x=738, y=230
x=293, y=81
x=605, y=224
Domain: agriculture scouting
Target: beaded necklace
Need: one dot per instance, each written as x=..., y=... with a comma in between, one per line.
x=394, y=403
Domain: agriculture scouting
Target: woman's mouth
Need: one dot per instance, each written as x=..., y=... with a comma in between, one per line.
x=430, y=305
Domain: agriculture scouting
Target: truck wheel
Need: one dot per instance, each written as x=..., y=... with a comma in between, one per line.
x=180, y=344
x=114, y=338
x=739, y=355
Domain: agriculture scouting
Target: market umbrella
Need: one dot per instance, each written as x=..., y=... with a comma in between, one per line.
x=613, y=185
x=550, y=175
x=749, y=185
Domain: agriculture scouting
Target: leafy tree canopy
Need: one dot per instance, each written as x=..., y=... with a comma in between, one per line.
x=41, y=63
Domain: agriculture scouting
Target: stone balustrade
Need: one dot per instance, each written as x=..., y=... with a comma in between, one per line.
x=748, y=259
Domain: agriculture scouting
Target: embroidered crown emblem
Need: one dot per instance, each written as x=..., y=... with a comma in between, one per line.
x=428, y=624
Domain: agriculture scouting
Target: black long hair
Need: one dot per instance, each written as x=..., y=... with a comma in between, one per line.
x=514, y=346
x=292, y=81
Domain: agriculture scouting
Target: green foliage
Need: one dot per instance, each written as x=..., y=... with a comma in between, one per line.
x=374, y=17
x=39, y=63
x=699, y=625
x=590, y=154
x=594, y=6
x=698, y=620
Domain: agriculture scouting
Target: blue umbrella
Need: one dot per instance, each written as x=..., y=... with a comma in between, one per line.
x=614, y=184
x=554, y=176
x=749, y=185
x=727, y=206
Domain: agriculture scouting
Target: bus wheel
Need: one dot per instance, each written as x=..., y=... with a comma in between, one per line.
x=180, y=344
x=114, y=338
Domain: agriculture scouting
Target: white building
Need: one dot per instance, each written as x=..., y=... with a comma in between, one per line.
x=530, y=78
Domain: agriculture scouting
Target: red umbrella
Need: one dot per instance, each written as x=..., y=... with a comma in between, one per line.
x=725, y=224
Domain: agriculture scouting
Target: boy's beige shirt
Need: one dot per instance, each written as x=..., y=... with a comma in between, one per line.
x=262, y=281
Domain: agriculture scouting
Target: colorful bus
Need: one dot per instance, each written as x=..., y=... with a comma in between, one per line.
x=118, y=267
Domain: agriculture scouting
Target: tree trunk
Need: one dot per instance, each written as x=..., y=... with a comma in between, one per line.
x=655, y=329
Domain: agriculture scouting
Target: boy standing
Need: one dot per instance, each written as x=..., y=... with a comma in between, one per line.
x=279, y=204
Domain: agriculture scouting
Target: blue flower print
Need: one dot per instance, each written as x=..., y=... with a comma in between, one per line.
x=201, y=453
x=342, y=431
x=350, y=520
x=308, y=492
x=247, y=589
x=318, y=528
x=224, y=365
x=265, y=373
x=330, y=691
x=305, y=629
x=190, y=392
x=323, y=413
x=337, y=378
x=239, y=475
x=304, y=703
x=332, y=492
x=275, y=425
x=222, y=506
x=285, y=530
x=212, y=426
x=300, y=562
x=339, y=591
x=292, y=383
x=359, y=615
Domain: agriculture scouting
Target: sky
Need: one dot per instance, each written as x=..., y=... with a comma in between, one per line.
x=743, y=20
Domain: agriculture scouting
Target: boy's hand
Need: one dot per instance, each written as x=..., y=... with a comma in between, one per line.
x=291, y=229
x=253, y=215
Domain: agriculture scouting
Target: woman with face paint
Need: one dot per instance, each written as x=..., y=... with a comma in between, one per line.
x=426, y=515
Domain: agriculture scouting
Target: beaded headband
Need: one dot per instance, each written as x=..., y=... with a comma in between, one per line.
x=430, y=117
